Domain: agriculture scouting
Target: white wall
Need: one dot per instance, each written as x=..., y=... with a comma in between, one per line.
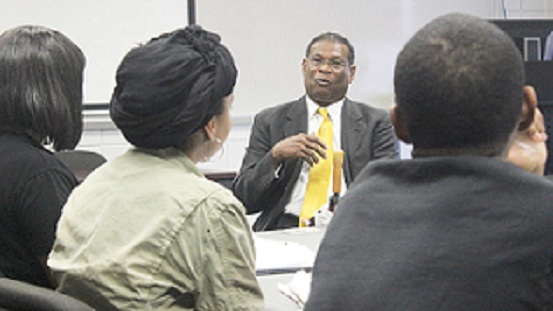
x=101, y=136
x=104, y=29
x=529, y=8
x=267, y=38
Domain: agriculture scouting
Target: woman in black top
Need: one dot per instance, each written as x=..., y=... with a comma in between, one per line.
x=41, y=76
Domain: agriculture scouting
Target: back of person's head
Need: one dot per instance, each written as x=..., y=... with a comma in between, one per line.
x=171, y=87
x=41, y=80
x=458, y=85
x=332, y=37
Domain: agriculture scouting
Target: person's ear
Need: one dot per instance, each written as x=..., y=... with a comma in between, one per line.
x=351, y=75
x=529, y=105
x=210, y=129
x=400, y=126
x=304, y=66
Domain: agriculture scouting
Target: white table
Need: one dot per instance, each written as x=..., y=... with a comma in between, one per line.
x=309, y=237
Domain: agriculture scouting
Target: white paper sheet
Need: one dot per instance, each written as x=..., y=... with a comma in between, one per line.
x=274, y=256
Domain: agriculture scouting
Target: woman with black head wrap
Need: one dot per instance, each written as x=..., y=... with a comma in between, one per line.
x=147, y=230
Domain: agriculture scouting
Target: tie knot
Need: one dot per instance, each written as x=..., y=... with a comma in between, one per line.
x=323, y=112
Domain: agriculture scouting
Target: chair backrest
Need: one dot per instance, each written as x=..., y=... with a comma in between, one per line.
x=17, y=295
x=225, y=178
x=81, y=162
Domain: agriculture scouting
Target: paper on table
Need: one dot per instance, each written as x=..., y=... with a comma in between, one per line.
x=298, y=288
x=273, y=256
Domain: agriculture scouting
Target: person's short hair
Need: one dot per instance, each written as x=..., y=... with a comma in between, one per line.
x=458, y=84
x=41, y=81
x=333, y=37
x=170, y=87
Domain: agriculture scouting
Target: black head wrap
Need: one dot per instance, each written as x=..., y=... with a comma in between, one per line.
x=172, y=86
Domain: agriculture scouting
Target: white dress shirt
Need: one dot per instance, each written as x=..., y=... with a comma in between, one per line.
x=314, y=121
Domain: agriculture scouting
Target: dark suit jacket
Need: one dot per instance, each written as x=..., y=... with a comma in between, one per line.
x=366, y=135
x=438, y=233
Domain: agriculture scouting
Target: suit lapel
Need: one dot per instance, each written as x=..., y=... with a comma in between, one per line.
x=296, y=118
x=352, y=132
x=296, y=122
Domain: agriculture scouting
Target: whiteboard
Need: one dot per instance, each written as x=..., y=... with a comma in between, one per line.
x=267, y=37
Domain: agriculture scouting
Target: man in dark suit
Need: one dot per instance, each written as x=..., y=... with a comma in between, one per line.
x=283, y=145
x=458, y=227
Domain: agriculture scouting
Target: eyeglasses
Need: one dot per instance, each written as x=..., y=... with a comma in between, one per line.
x=335, y=64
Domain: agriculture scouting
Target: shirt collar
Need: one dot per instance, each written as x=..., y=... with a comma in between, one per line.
x=334, y=109
x=175, y=155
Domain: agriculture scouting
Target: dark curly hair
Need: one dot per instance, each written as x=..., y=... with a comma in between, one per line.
x=333, y=37
x=458, y=84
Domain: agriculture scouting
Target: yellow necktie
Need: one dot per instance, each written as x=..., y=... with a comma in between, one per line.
x=319, y=175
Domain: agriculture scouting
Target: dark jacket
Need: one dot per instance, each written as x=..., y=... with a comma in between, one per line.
x=457, y=233
x=366, y=135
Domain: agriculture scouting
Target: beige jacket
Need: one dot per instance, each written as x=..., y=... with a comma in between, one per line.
x=147, y=231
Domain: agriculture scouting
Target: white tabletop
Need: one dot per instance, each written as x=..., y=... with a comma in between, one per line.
x=274, y=299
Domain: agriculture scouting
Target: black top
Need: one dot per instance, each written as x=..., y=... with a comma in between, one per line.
x=34, y=185
x=456, y=233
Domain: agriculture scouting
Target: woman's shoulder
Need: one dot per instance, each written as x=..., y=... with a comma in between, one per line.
x=219, y=196
x=23, y=155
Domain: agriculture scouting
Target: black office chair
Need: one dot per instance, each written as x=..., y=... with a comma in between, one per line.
x=225, y=178
x=20, y=296
x=81, y=162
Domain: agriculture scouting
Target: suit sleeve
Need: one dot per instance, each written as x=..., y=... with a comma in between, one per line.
x=384, y=141
x=256, y=182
